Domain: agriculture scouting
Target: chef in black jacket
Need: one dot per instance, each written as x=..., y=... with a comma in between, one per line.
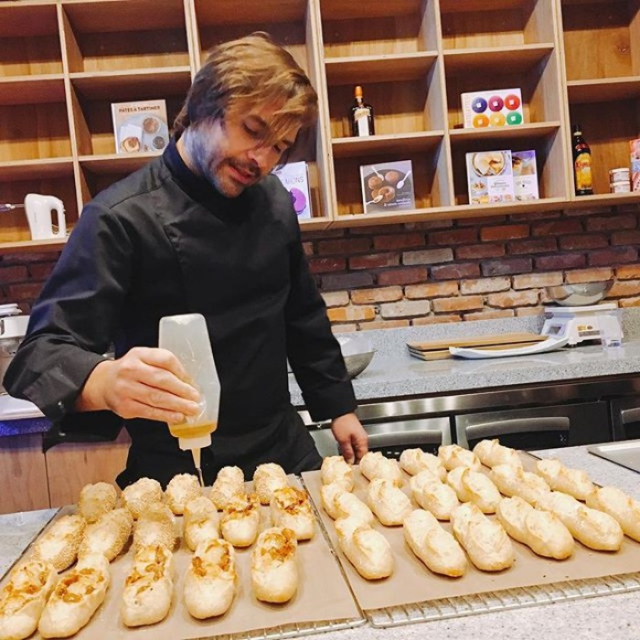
x=202, y=229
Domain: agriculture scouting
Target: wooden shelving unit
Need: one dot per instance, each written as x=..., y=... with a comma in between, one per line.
x=63, y=62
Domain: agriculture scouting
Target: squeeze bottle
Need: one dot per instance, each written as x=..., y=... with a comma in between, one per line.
x=186, y=336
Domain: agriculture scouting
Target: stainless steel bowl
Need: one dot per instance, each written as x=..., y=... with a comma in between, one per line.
x=580, y=294
x=357, y=363
x=357, y=352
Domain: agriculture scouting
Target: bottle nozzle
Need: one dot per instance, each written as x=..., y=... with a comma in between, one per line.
x=187, y=444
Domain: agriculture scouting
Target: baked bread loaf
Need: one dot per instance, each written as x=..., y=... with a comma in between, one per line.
x=434, y=496
x=228, y=484
x=390, y=504
x=139, y=495
x=23, y=597
x=595, y=529
x=367, y=549
x=339, y=503
x=291, y=509
x=335, y=470
x=182, y=488
x=148, y=588
x=618, y=505
x=76, y=597
x=274, y=565
x=437, y=548
x=542, y=531
x=60, y=542
x=266, y=479
x=374, y=465
x=513, y=481
x=201, y=522
x=96, y=500
x=453, y=455
x=485, y=541
x=108, y=535
x=575, y=482
x=413, y=461
x=156, y=525
x=240, y=520
x=492, y=453
x=210, y=581
x=473, y=486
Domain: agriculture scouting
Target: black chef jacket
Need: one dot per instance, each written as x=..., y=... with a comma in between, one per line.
x=162, y=242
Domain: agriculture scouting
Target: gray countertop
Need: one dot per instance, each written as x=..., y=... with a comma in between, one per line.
x=611, y=617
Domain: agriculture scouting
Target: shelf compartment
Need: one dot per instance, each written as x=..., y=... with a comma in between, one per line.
x=378, y=27
x=121, y=35
x=524, y=58
x=37, y=50
x=550, y=153
x=601, y=39
x=391, y=67
x=581, y=91
x=468, y=24
x=461, y=137
x=24, y=169
x=32, y=89
x=378, y=145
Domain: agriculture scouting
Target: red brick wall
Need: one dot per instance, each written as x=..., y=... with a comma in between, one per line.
x=441, y=271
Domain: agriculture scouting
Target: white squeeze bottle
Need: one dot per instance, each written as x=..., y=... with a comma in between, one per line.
x=186, y=336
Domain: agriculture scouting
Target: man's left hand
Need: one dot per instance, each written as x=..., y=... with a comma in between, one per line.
x=351, y=436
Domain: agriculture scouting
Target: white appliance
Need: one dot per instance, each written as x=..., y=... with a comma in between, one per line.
x=40, y=210
x=13, y=328
x=578, y=324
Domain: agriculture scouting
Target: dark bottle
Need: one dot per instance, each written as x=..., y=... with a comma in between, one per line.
x=361, y=116
x=581, y=164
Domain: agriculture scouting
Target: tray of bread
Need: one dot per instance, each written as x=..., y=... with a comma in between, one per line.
x=428, y=537
x=238, y=559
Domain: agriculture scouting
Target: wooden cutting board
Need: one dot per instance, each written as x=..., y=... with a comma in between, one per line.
x=439, y=349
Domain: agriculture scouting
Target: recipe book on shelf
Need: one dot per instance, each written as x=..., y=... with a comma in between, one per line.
x=295, y=179
x=140, y=126
x=387, y=186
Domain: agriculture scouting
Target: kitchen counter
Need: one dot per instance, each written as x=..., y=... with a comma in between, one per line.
x=610, y=617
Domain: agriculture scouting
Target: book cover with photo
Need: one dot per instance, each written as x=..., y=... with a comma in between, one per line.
x=295, y=180
x=387, y=186
x=140, y=126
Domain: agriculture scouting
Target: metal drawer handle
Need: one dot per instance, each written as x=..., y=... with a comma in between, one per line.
x=521, y=425
x=396, y=438
x=630, y=415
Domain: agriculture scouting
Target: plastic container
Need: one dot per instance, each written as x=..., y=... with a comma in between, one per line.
x=621, y=174
x=620, y=187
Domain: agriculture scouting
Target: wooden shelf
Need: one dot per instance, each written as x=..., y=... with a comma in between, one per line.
x=390, y=67
x=376, y=145
x=116, y=162
x=27, y=246
x=16, y=170
x=461, y=137
x=523, y=58
x=16, y=90
x=604, y=200
x=603, y=89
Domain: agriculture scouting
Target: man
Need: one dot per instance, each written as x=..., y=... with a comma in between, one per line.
x=203, y=229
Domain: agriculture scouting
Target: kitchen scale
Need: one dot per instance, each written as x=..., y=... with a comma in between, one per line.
x=579, y=324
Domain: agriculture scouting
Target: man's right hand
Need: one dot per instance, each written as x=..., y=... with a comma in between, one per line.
x=144, y=383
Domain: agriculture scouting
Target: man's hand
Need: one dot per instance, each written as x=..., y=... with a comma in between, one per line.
x=144, y=383
x=351, y=436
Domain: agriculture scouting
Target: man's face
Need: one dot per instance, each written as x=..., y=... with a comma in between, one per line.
x=232, y=153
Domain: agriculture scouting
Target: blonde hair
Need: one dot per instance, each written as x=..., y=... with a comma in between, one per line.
x=241, y=73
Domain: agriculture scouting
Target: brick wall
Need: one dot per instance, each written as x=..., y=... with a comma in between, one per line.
x=440, y=271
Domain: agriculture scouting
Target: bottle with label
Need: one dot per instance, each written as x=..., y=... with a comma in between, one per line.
x=361, y=116
x=581, y=164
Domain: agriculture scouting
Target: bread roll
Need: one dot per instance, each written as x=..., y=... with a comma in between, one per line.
x=210, y=581
x=139, y=495
x=328, y=494
x=148, y=588
x=240, y=520
x=60, y=542
x=618, y=505
x=155, y=526
x=367, y=549
x=201, y=522
x=339, y=503
x=267, y=478
x=375, y=465
x=437, y=548
x=108, y=535
x=76, y=597
x=413, y=461
x=595, y=529
x=575, y=482
x=96, y=500
x=473, y=486
x=335, y=470
x=513, y=481
x=485, y=541
x=182, y=488
x=228, y=484
x=434, y=496
x=390, y=504
x=274, y=566
x=453, y=455
x=541, y=531
x=23, y=597
x=291, y=509
x=492, y=453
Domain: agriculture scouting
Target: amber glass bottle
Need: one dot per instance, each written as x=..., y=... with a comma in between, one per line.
x=581, y=164
x=361, y=116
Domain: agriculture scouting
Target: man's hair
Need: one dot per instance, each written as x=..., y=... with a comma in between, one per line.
x=242, y=73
